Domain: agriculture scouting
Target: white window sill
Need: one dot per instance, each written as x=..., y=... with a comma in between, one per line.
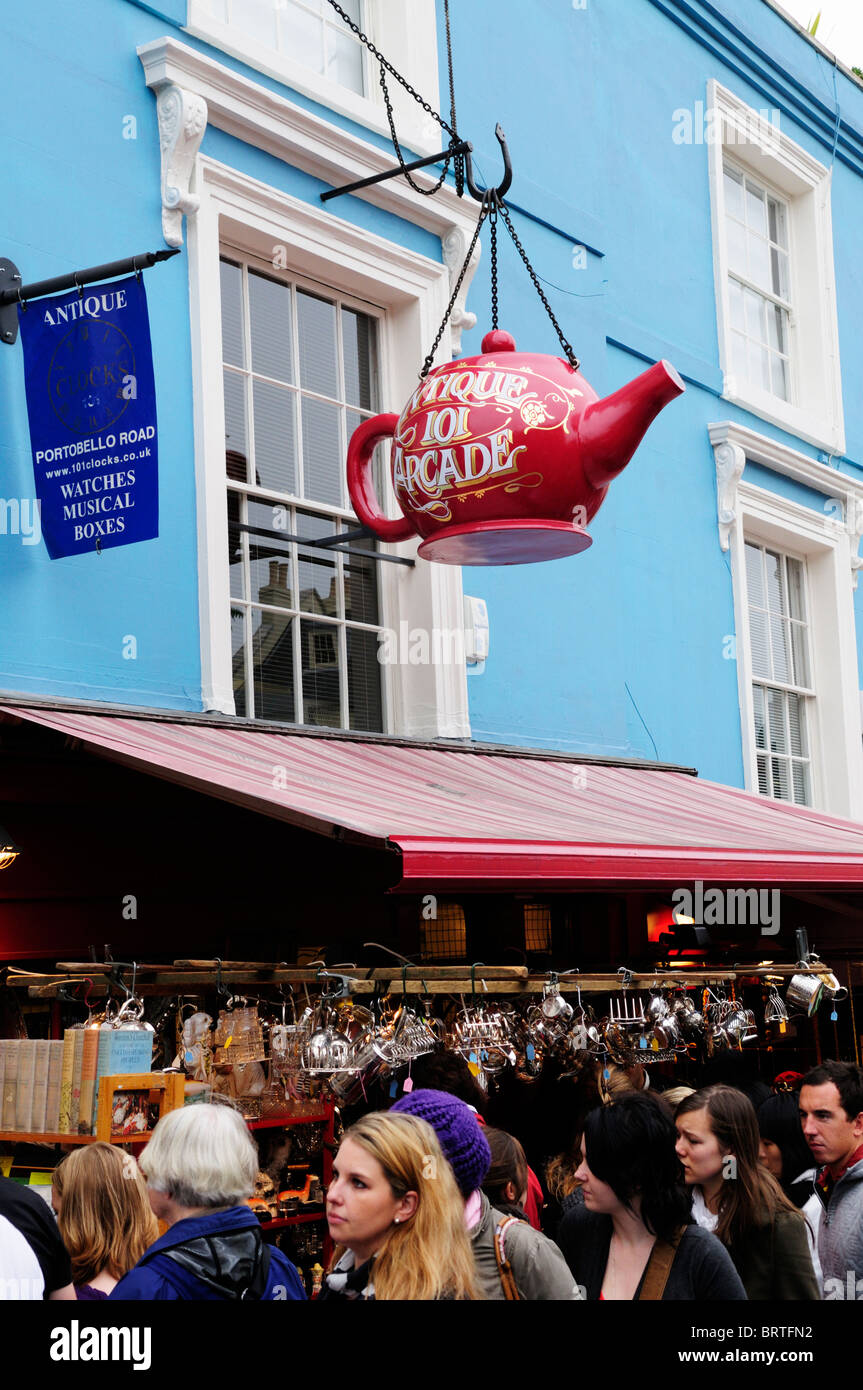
x=796, y=420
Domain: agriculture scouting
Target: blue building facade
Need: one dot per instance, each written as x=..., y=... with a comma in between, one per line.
x=688, y=184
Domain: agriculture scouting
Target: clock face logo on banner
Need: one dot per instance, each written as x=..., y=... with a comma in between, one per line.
x=89, y=396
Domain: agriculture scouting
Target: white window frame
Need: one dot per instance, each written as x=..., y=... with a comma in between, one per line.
x=412, y=291
x=404, y=30
x=827, y=543
x=784, y=168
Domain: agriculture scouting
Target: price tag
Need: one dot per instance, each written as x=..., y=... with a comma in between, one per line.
x=834, y=1016
x=530, y=1052
x=5, y=1165
x=408, y=1085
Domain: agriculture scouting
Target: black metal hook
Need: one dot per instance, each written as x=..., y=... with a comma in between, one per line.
x=481, y=194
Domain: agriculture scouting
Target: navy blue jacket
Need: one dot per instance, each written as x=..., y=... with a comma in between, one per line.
x=156, y=1276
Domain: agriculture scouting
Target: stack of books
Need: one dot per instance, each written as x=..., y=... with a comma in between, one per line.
x=49, y=1087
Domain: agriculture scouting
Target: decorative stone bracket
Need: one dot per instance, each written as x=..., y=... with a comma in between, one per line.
x=455, y=243
x=182, y=119
x=730, y=463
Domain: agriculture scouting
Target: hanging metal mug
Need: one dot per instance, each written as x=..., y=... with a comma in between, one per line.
x=832, y=988
x=805, y=993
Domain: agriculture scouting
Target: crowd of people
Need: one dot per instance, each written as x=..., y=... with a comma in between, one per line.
x=690, y=1194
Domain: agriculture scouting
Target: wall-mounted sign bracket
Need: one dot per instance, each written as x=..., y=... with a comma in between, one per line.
x=13, y=293
x=460, y=147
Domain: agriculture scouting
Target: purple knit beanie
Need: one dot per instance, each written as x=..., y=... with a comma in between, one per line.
x=459, y=1134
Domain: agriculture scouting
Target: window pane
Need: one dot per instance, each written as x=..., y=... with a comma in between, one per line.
x=270, y=557
x=275, y=437
x=317, y=327
x=779, y=376
x=301, y=36
x=777, y=223
x=321, y=684
x=754, y=306
x=238, y=647
x=344, y=60
x=779, y=272
x=756, y=209
x=358, y=337
x=235, y=545
x=257, y=18
x=735, y=304
x=779, y=769
x=232, y=313
x=361, y=587
x=759, y=366
x=737, y=248
x=763, y=777
x=760, y=717
x=323, y=462
x=235, y=427
x=760, y=647
x=776, y=716
x=739, y=355
x=775, y=584
x=270, y=316
x=273, y=653
x=734, y=193
x=794, y=570
x=759, y=263
x=797, y=726
x=755, y=576
x=776, y=335
x=365, y=711
x=317, y=571
x=800, y=774
x=779, y=643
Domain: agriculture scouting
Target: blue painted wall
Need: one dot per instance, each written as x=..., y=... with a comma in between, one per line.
x=618, y=651
x=621, y=650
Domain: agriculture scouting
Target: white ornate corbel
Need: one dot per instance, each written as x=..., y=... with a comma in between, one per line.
x=854, y=527
x=730, y=462
x=182, y=121
x=455, y=243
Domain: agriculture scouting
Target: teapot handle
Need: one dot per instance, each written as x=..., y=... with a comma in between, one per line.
x=360, y=485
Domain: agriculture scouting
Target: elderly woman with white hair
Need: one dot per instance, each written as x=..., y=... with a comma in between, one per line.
x=200, y=1166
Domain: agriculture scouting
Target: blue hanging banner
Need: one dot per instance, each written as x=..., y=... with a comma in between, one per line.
x=91, y=403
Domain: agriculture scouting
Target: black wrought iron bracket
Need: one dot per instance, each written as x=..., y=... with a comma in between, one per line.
x=459, y=147
x=328, y=542
x=13, y=293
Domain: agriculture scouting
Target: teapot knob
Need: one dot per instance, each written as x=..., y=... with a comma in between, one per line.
x=498, y=340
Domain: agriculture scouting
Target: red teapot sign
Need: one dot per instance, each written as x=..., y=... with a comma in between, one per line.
x=504, y=458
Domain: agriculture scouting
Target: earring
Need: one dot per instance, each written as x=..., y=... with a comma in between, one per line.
x=396, y=1220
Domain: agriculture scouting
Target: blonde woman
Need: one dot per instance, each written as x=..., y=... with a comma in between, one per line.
x=103, y=1215
x=396, y=1216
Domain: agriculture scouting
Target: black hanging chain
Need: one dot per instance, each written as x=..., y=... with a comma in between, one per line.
x=570, y=354
x=417, y=188
x=387, y=67
x=426, y=366
x=459, y=159
x=493, y=203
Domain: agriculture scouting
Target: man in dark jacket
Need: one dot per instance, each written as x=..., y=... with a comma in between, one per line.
x=200, y=1166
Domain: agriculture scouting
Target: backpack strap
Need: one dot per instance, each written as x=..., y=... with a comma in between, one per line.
x=504, y=1268
x=658, y=1268
x=188, y=1258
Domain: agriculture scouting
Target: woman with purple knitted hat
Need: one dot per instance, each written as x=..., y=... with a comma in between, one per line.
x=512, y=1260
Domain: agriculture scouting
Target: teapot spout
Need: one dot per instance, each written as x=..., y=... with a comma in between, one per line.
x=612, y=429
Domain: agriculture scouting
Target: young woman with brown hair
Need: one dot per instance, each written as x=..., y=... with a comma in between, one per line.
x=736, y=1197
x=396, y=1216
x=103, y=1215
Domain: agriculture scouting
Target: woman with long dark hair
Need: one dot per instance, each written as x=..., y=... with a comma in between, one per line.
x=628, y=1233
x=736, y=1197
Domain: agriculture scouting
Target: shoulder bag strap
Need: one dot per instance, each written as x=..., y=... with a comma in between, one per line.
x=507, y=1278
x=659, y=1267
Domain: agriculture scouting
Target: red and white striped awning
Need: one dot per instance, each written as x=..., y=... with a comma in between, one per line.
x=475, y=819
